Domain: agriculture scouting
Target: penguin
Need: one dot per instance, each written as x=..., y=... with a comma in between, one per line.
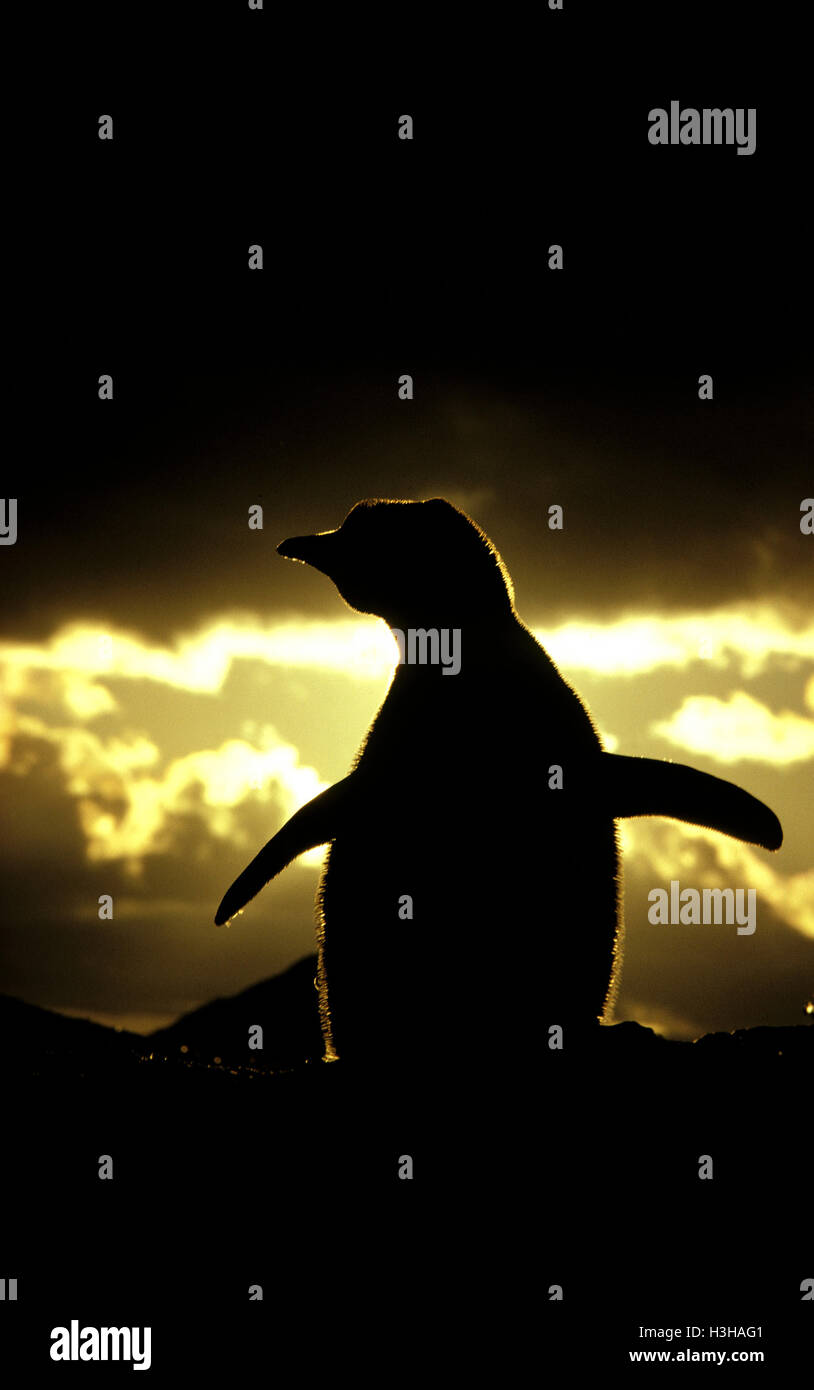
x=471, y=894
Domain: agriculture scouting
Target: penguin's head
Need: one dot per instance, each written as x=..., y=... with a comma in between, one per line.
x=410, y=563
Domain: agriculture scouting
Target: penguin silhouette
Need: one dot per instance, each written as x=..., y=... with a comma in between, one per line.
x=470, y=896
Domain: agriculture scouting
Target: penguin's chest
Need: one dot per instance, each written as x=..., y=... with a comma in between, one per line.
x=489, y=861
x=460, y=912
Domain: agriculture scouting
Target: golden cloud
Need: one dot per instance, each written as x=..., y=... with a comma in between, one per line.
x=747, y=637
x=738, y=728
x=125, y=803
x=125, y=812
x=200, y=662
x=682, y=851
x=744, y=636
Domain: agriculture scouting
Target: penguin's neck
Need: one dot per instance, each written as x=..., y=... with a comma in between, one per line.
x=485, y=615
x=479, y=640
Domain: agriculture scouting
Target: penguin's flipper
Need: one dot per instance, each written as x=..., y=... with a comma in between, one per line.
x=314, y=824
x=650, y=787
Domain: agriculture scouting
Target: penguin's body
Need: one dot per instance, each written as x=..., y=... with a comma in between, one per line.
x=462, y=823
x=471, y=894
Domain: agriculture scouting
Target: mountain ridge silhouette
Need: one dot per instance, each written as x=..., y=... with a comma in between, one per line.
x=46, y=1042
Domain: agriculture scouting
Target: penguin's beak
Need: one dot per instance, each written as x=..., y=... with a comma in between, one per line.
x=319, y=551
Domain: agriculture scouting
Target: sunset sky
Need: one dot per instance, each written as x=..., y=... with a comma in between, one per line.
x=171, y=690
x=181, y=689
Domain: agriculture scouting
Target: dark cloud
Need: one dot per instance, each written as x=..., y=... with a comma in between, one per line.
x=161, y=952
x=669, y=503
x=708, y=974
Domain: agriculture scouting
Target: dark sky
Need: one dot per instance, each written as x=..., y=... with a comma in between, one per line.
x=279, y=388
